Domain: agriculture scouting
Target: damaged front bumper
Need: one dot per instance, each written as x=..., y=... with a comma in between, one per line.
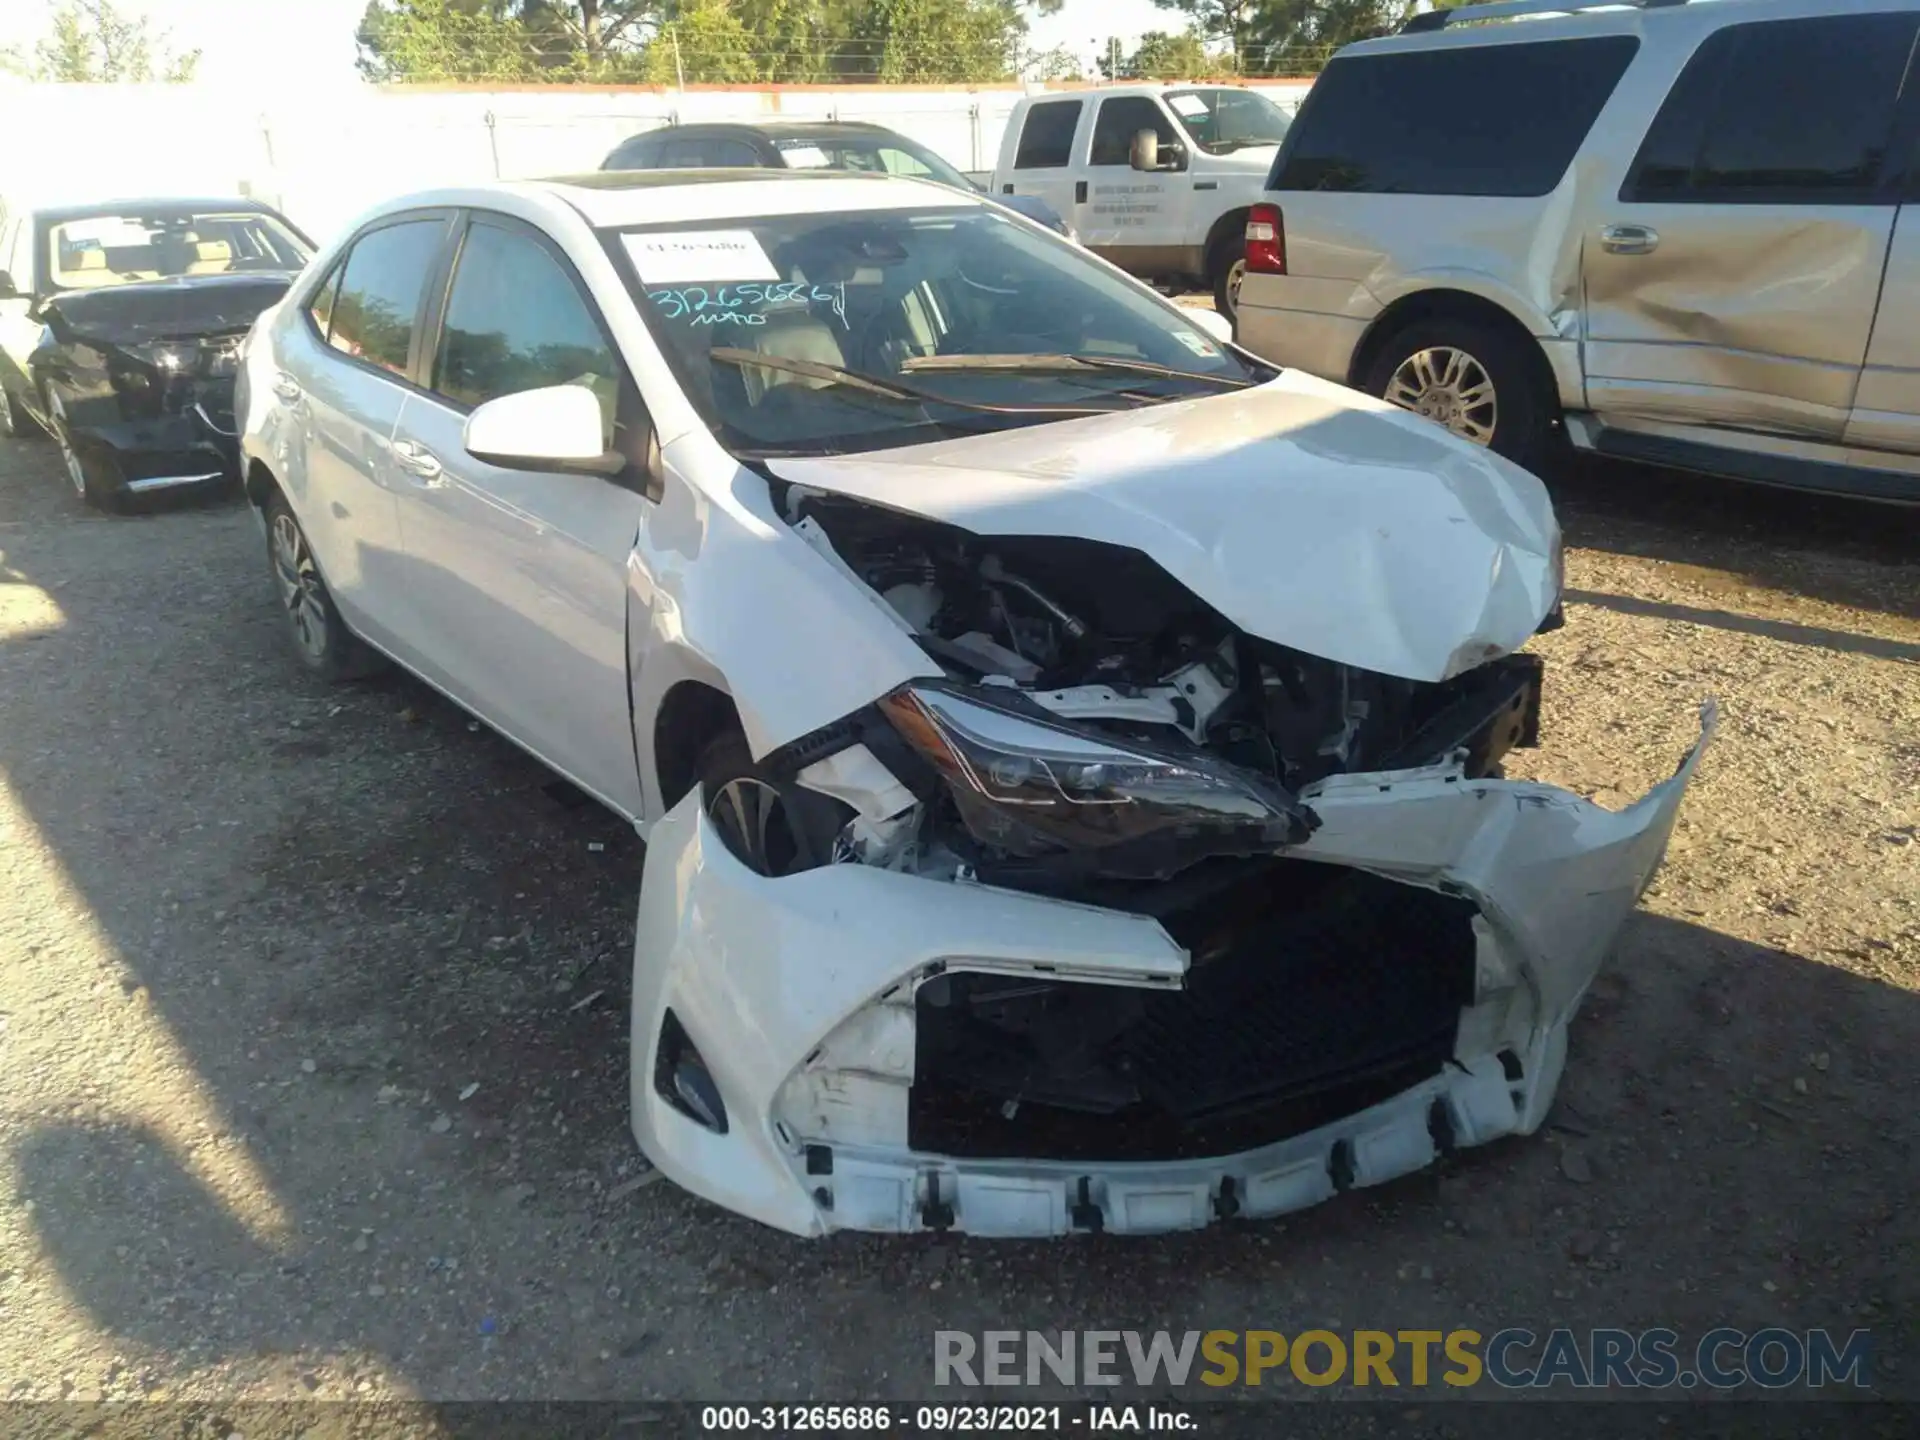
x=776, y=1021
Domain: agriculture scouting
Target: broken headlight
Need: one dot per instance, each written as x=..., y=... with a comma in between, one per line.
x=1031, y=789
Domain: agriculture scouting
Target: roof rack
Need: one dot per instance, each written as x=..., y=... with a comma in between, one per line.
x=1510, y=9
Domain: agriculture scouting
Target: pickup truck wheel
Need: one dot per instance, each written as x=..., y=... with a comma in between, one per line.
x=1475, y=380
x=321, y=640
x=773, y=827
x=1228, y=268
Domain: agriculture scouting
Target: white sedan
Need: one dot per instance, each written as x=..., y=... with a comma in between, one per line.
x=1069, y=749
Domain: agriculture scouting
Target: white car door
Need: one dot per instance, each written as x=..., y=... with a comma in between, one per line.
x=1044, y=157
x=342, y=361
x=1135, y=218
x=517, y=581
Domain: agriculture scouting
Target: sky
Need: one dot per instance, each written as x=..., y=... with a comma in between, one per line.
x=312, y=40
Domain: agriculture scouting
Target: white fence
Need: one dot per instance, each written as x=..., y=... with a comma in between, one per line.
x=325, y=154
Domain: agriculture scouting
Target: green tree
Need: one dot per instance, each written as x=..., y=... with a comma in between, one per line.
x=1163, y=56
x=947, y=41
x=1228, y=20
x=505, y=39
x=1298, y=36
x=707, y=43
x=89, y=41
x=700, y=41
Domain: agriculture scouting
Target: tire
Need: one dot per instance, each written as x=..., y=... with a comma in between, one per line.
x=773, y=827
x=96, y=480
x=1226, y=267
x=15, y=423
x=1462, y=358
x=320, y=638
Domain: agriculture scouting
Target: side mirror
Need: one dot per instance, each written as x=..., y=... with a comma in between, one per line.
x=556, y=428
x=8, y=290
x=1147, y=153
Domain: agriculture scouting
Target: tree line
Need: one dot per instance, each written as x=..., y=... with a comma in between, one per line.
x=743, y=42
x=835, y=41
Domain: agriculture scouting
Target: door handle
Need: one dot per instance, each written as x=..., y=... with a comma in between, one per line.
x=286, y=389
x=1079, y=192
x=417, y=460
x=1628, y=239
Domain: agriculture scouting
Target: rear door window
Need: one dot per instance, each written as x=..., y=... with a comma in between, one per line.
x=1780, y=111
x=1503, y=119
x=378, y=306
x=1116, y=123
x=1046, y=139
x=705, y=152
x=640, y=153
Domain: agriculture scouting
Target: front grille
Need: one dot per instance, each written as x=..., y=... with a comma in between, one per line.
x=1314, y=992
x=1314, y=1000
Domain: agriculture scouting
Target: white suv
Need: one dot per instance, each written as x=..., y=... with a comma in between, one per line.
x=1689, y=230
x=1068, y=749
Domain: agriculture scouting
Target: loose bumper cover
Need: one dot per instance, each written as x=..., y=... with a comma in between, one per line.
x=796, y=997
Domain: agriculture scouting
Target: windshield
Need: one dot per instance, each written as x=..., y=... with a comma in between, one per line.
x=101, y=250
x=889, y=156
x=1224, y=120
x=887, y=328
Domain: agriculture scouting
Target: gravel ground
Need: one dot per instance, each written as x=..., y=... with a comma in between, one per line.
x=313, y=1045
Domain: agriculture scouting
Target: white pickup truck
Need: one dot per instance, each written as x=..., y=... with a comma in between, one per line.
x=1156, y=178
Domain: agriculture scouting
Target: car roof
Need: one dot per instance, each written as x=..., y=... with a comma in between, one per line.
x=615, y=199
x=149, y=205
x=779, y=129
x=1599, y=17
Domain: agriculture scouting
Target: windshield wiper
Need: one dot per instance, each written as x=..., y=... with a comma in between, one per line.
x=1043, y=364
x=880, y=385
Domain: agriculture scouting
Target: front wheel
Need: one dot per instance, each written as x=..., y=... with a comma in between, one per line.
x=321, y=640
x=15, y=423
x=1477, y=381
x=91, y=477
x=773, y=827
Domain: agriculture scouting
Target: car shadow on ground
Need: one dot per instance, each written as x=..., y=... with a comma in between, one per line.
x=342, y=909
x=1734, y=534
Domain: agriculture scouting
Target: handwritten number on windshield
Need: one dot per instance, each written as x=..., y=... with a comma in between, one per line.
x=745, y=304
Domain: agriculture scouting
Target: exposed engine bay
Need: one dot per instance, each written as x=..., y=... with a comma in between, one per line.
x=1098, y=640
x=1104, y=736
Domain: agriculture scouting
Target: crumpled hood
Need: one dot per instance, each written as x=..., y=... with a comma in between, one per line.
x=1305, y=513
x=182, y=308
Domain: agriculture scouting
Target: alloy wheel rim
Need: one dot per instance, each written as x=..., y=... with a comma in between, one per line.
x=1450, y=387
x=300, y=588
x=753, y=819
x=1236, y=274
x=58, y=414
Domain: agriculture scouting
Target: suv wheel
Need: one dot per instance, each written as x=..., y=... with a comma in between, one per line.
x=1473, y=379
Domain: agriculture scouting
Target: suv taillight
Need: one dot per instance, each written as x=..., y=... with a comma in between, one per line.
x=1266, y=241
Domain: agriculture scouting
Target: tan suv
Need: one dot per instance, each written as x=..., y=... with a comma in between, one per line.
x=1689, y=232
